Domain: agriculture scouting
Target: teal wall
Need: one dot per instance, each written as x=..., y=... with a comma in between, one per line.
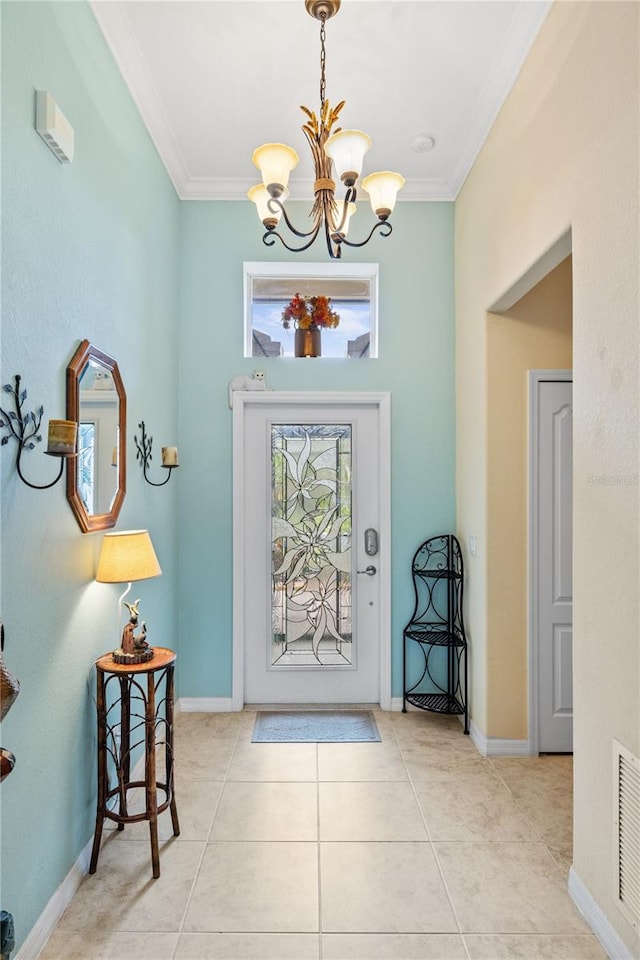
x=88, y=250
x=103, y=249
x=415, y=364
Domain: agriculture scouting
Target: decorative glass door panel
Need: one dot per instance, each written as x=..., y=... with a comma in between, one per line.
x=311, y=566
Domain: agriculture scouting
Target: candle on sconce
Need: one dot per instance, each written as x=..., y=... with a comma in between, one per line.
x=61, y=438
x=170, y=457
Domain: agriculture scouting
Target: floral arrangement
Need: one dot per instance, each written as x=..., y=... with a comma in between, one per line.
x=305, y=312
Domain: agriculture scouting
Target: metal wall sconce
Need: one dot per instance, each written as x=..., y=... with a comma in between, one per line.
x=24, y=428
x=169, y=456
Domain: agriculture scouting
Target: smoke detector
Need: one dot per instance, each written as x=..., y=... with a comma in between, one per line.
x=423, y=143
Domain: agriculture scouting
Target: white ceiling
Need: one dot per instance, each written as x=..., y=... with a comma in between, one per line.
x=213, y=79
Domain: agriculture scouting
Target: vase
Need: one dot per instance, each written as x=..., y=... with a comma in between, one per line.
x=307, y=342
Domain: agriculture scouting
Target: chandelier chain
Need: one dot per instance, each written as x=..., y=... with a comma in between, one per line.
x=323, y=57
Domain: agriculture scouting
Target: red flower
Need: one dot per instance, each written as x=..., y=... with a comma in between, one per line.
x=309, y=311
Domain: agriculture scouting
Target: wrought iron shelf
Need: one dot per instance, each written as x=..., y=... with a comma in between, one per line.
x=434, y=640
x=436, y=702
x=442, y=638
x=439, y=574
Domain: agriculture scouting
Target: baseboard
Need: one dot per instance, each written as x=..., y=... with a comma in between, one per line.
x=226, y=705
x=496, y=746
x=611, y=942
x=205, y=705
x=396, y=704
x=46, y=923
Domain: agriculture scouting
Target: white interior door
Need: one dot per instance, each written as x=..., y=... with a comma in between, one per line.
x=310, y=628
x=554, y=566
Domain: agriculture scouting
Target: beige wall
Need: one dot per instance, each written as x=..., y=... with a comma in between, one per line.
x=534, y=334
x=563, y=154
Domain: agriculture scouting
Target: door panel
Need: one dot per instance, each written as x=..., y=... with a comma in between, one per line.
x=555, y=590
x=311, y=622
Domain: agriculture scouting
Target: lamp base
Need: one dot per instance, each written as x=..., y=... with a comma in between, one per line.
x=138, y=656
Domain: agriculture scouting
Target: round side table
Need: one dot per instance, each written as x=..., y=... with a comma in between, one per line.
x=135, y=707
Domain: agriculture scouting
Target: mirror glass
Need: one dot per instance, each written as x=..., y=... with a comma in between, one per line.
x=96, y=479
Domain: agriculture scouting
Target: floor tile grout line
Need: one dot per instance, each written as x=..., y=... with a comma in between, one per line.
x=319, y=854
x=205, y=845
x=433, y=851
x=518, y=802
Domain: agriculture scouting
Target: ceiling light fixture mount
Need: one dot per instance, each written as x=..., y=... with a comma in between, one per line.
x=343, y=149
x=322, y=9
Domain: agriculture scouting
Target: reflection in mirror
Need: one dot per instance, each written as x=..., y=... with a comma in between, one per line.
x=96, y=484
x=97, y=439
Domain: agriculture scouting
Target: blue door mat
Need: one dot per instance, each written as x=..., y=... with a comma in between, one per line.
x=315, y=726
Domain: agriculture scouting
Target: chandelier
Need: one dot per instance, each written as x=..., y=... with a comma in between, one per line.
x=342, y=149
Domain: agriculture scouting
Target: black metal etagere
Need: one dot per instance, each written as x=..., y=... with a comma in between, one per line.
x=436, y=631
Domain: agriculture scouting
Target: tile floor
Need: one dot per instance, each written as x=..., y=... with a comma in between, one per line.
x=414, y=848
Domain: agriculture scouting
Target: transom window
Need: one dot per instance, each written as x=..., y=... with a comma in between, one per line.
x=353, y=289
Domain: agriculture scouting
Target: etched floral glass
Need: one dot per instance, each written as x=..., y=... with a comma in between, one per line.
x=311, y=469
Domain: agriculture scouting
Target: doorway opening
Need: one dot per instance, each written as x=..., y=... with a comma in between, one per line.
x=534, y=333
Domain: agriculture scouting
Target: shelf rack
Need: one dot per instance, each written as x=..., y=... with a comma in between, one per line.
x=436, y=630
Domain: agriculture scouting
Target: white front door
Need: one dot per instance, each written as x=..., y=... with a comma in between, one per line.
x=554, y=613
x=310, y=603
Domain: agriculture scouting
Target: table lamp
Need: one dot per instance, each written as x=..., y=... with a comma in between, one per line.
x=124, y=558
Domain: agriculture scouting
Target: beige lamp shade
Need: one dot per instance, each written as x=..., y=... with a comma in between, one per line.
x=347, y=149
x=382, y=188
x=261, y=197
x=275, y=161
x=127, y=556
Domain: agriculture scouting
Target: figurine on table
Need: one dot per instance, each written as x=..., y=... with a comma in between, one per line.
x=134, y=649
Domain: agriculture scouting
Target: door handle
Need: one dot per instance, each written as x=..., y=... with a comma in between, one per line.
x=370, y=571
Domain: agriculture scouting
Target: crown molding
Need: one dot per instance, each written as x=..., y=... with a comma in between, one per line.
x=121, y=40
x=211, y=188
x=523, y=31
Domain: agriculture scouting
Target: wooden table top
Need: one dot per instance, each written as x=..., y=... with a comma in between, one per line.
x=162, y=657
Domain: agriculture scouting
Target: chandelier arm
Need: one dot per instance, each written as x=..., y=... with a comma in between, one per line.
x=384, y=227
x=269, y=239
x=333, y=242
x=275, y=205
x=349, y=197
x=327, y=207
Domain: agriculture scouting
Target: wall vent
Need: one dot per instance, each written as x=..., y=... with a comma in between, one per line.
x=627, y=832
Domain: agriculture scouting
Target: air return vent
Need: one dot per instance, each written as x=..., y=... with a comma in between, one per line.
x=627, y=832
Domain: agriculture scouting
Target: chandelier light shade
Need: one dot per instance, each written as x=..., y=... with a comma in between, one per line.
x=261, y=197
x=342, y=150
x=383, y=189
x=347, y=149
x=275, y=161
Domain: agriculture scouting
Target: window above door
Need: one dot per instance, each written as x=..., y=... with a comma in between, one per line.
x=352, y=288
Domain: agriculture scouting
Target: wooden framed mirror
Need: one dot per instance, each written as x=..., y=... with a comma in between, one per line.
x=96, y=400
